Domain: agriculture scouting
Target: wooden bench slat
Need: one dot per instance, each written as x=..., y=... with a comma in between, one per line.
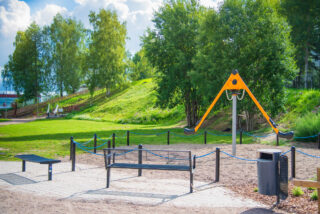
x=306, y=183
x=36, y=159
x=150, y=166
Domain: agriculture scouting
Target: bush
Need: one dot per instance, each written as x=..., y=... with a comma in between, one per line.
x=255, y=189
x=308, y=125
x=314, y=195
x=297, y=191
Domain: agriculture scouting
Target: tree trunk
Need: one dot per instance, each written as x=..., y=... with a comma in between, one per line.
x=107, y=91
x=306, y=65
x=249, y=120
x=191, y=109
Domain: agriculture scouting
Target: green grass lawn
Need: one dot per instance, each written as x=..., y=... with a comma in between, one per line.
x=4, y=120
x=51, y=138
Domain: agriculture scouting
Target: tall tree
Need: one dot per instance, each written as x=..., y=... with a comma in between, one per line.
x=304, y=17
x=106, y=55
x=249, y=36
x=170, y=47
x=66, y=42
x=25, y=69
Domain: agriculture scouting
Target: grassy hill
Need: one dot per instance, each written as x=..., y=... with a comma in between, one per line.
x=135, y=104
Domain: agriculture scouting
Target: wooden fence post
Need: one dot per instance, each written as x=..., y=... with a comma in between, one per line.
x=113, y=140
x=168, y=138
x=240, y=136
x=73, y=156
x=293, y=162
x=140, y=159
x=319, y=140
x=217, y=164
x=128, y=135
x=109, y=162
x=277, y=140
x=71, y=141
x=205, y=137
x=95, y=144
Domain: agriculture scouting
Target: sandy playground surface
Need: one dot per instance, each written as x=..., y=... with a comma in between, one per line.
x=83, y=191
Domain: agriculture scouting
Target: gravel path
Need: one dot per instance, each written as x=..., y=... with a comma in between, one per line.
x=156, y=191
x=87, y=183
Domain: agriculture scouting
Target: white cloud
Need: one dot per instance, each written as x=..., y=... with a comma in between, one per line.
x=211, y=3
x=15, y=16
x=45, y=16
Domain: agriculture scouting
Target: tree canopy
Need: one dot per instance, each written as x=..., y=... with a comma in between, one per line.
x=106, y=50
x=252, y=37
x=170, y=47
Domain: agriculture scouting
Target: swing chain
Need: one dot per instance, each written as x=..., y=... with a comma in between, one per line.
x=243, y=92
x=228, y=95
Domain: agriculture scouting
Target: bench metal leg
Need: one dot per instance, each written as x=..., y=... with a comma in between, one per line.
x=49, y=171
x=108, y=177
x=23, y=166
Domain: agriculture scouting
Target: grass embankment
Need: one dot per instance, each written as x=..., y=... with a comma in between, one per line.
x=134, y=105
x=303, y=112
x=4, y=120
x=51, y=138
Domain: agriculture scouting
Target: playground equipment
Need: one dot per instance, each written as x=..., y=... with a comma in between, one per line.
x=235, y=83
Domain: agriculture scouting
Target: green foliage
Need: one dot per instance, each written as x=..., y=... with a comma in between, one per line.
x=297, y=191
x=300, y=102
x=26, y=69
x=170, y=47
x=139, y=66
x=314, y=195
x=249, y=36
x=65, y=38
x=105, y=61
x=303, y=16
x=308, y=125
x=255, y=189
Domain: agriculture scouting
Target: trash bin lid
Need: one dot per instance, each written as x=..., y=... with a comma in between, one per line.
x=269, y=151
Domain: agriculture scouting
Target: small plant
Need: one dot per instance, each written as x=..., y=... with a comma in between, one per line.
x=311, y=188
x=255, y=189
x=314, y=195
x=297, y=191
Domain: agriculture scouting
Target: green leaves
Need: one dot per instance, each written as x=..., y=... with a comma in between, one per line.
x=66, y=47
x=249, y=36
x=170, y=47
x=25, y=68
x=106, y=55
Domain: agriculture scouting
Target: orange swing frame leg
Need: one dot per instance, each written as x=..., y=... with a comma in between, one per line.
x=235, y=82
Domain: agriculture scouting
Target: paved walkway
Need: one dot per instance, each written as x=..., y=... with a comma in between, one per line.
x=88, y=182
x=20, y=120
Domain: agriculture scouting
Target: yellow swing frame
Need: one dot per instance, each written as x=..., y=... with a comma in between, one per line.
x=235, y=83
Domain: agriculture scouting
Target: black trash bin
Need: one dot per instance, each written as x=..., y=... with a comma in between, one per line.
x=268, y=171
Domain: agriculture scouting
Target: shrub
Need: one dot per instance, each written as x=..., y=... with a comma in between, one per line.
x=255, y=189
x=314, y=195
x=297, y=191
x=308, y=125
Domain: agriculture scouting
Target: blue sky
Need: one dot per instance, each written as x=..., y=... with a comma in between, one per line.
x=17, y=15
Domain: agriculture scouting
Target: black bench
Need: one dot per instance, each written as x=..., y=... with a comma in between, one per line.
x=38, y=159
x=112, y=152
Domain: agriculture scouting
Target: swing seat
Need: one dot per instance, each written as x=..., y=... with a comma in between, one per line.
x=288, y=135
x=189, y=131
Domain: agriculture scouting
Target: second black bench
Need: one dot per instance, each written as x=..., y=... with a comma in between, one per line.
x=37, y=159
x=111, y=152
